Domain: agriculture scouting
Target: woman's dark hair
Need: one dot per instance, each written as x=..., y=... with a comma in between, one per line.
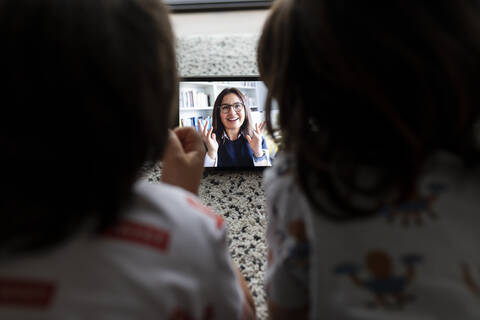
x=218, y=128
x=87, y=93
x=380, y=86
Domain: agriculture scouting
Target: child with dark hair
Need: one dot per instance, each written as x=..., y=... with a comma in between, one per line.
x=373, y=205
x=86, y=103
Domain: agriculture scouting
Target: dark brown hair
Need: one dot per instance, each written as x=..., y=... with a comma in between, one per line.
x=218, y=128
x=382, y=85
x=90, y=85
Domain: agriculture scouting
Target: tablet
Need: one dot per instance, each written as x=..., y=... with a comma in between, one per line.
x=199, y=5
x=229, y=112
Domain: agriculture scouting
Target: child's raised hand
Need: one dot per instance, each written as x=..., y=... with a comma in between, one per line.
x=182, y=163
x=209, y=138
x=255, y=141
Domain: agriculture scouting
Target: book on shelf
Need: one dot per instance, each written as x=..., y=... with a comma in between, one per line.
x=193, y=122
x=193, y=98
x=244, y=84
x=251, y=101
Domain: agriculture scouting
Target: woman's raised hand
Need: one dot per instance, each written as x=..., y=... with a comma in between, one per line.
x=209, y=138
x=255, y=140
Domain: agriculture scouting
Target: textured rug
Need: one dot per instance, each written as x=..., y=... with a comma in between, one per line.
x=237, y=196
x=213, y=55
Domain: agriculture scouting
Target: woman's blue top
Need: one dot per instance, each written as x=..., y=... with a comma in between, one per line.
x=236, y=153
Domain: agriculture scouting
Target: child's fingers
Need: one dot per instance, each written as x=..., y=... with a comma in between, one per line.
x=190, y=139
x=183, y=160
x=174, y=146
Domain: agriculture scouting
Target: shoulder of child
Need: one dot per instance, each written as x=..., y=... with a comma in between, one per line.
x=281, y=173
x=196, y=242
x=179, y=209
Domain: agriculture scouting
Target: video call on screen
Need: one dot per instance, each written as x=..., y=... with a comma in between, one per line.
x=196, y=108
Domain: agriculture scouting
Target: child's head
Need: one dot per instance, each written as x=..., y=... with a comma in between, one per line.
x=86, y=98
x=377, y=84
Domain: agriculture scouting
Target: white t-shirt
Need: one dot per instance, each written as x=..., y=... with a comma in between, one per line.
x=417, y=260
x=167, y=258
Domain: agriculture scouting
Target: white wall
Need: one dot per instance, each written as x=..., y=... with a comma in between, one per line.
x=219, y=22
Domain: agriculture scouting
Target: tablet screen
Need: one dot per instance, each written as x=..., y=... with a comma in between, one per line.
x=230, y=115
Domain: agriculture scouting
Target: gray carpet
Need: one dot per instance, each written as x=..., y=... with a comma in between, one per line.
x=237, y=196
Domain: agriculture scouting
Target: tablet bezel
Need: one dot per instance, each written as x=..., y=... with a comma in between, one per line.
x=189, y=6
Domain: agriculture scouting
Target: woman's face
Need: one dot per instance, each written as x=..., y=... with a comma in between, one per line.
x=230, y=118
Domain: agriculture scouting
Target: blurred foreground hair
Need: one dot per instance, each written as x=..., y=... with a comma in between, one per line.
x=86, y=99
x=381, y=85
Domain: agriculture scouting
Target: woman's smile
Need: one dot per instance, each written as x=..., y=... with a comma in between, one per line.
x=232, y=120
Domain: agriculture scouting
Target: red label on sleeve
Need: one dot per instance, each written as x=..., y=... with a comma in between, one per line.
x=141, y=234
x=207, y=211
x=26, y=293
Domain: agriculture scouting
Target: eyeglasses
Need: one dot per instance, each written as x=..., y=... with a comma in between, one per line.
x=225, y=108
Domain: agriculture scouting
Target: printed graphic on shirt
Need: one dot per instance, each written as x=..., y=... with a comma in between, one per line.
x=206, y=210
x=299, y=253
x=293, y=254
x=296, y=262
x=387, y=288
x=26, y=293
x=468, y=278
x=146, y=235
x=416, y=208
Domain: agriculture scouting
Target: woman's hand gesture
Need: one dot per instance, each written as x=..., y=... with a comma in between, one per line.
x=255, y=141
x=209, y=138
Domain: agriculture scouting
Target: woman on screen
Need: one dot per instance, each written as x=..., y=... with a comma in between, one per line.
x=233, y=140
